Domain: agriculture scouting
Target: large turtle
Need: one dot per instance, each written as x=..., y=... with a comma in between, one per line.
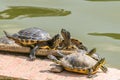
x=78, y=62
x=70, y=43
x=34, y=38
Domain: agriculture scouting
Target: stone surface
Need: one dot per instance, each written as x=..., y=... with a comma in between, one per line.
x=18, y=66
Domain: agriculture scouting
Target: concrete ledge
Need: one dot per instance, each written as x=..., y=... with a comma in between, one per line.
x=19, y=49
x=18, y=67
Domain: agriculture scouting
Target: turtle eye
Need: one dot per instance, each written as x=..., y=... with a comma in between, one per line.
x=80, y=43
x=66, y=58
x=33, y=38
x=72, y=47
x=35, y=35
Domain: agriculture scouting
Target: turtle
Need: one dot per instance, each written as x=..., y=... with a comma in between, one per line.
x=77, y=62
x=34, y=38
x=70, y=43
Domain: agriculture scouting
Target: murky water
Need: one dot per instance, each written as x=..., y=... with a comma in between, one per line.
x=95, y=23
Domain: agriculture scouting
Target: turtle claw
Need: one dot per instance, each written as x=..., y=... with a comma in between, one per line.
x=32, y=58
x=92, y=76
x=89, y=76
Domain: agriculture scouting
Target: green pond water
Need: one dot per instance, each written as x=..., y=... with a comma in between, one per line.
x=94, y=22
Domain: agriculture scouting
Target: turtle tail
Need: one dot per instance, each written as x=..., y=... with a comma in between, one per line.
x=9, y=36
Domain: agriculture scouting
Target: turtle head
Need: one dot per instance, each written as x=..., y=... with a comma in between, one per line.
x=55, y=41
x=65, y=34
x=54, y=59
x=63, y=30
x=56, y=37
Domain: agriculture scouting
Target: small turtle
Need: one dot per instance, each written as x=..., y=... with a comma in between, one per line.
x=77, y=62
x=34, y=38
x=70, y=43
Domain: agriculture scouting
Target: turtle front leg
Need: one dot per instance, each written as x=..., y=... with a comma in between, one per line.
x=32, y=52
x=54, y=59
x=60, y=54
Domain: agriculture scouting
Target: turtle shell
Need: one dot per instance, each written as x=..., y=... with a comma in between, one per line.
x=78, y=60
x=80, y=63
x=33, y=33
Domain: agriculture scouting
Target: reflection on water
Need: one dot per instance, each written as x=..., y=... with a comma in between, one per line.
x=112, y=35
x=28, y=11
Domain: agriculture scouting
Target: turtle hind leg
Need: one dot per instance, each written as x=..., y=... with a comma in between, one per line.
x=99, y=64
x=104, y=69
x=91, y=52
x=32, y=52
